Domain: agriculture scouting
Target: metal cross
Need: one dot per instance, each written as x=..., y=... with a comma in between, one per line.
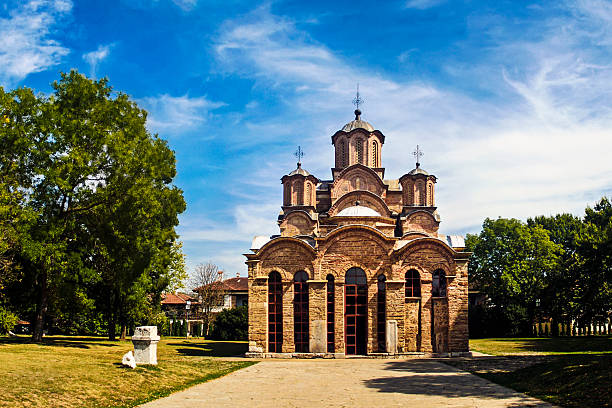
x=418, y=153
x=357, y=101
x=299, y=153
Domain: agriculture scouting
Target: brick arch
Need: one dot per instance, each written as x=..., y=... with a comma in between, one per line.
x=365, y=198
x=287, y=256
x=345, y=181
x=423, y=220
x=297, y=223
x=371, y=254
x=437, y=246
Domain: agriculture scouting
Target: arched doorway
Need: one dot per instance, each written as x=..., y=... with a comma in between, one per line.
x=355, y=311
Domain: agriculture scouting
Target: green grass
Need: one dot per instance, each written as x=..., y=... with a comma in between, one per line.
x=543, y=345
x=566, y=371
x=86, y=371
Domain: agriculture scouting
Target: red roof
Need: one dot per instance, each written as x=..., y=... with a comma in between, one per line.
x=236, y=284
x=176, y=298
x=232, y=285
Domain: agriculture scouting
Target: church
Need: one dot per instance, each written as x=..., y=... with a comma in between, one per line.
x=359, y=267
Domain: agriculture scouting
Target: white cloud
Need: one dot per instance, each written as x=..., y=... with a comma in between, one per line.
x=186, y=5
x=423, y=4
x=93, y=58
x=540, y=147
x=177, y=114
x=26, y=43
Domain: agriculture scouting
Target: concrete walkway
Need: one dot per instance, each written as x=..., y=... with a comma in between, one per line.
x=348, y=383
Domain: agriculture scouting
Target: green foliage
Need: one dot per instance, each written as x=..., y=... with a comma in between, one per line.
x=511, y=262
x=8, y=320
x=183, y=332
x=231, y=324
x=87, y=208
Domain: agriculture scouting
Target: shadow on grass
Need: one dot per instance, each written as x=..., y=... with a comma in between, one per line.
x=211, y=348
x=578, y=344
x=61, y=341
x=429, y=378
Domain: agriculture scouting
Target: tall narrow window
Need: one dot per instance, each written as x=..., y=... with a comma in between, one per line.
x=359, y=151
x=299, y=192
x=331, y=306
x=381, y=318
x=438, y=284
x=343, y=150
x=421, y=190
x=275, y=313
x=374, y=154
x=300, y=312
x=430, y=195
x=287, y=198
x=308, y=194
x=413, y=284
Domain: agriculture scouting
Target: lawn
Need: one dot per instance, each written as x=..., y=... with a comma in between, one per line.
x=86, y=371
x=566, y=371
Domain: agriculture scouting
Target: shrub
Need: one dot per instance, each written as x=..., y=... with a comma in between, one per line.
x=7, y=320
x=231, y=324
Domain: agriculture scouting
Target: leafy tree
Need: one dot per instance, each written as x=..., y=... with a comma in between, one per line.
x=559, y=300
x=98, y=190
x=511, y=263
x=231, y=324
x=594, y=259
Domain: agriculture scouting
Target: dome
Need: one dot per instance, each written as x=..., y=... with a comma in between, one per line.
x=418, y=170
x=357, y=123
x=300, y=171
x=358, y=211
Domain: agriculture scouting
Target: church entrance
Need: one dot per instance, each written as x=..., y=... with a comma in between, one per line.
x=355, y=311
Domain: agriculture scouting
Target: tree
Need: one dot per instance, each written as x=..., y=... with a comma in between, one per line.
x=511, y=263
x=231, y=324
x=206, y=281
x=98, y=186
x=559, y=301
x=594, y=260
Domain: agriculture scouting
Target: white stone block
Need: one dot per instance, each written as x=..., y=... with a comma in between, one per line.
x=391, y=337
x=128, y=360
x=145, y=341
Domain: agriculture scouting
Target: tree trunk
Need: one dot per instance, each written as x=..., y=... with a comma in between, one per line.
x=112, y=323
x=41, y=310
x=123, y=331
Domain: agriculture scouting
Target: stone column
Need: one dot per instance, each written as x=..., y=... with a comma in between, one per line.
x=317, y=314
x=258, y=315
x=145, y=341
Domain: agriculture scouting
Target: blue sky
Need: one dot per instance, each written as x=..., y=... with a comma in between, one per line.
x=510, y=100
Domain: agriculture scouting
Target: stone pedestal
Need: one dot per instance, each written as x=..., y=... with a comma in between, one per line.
x=145, y=341
x=318, y=337
x=391, y=337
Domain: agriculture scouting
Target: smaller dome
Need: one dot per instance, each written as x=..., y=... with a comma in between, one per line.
x=357, y=123
x=418, y=170
x=299, y=170
x=358, y=211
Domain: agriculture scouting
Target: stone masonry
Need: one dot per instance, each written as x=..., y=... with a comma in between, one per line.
x=380, y=276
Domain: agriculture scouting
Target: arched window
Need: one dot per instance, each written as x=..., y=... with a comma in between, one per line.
x=300, y=312
x=381, y=317
x=375, y=153
x=421, y=190
x=343, y=163
x=331, y=307
x=413, y=284
x=355, y=311
x=308, y=194
x=299, y=192
x=275, y=313
x=287, y=195
x=359, y=151
x=438, y=284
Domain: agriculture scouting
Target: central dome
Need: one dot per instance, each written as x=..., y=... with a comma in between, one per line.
x=357, y=123
x=358, y=211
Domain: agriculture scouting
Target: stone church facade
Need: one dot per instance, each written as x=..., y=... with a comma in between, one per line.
x=359, y=267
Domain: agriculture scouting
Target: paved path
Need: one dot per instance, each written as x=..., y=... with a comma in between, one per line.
x=347, y=383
